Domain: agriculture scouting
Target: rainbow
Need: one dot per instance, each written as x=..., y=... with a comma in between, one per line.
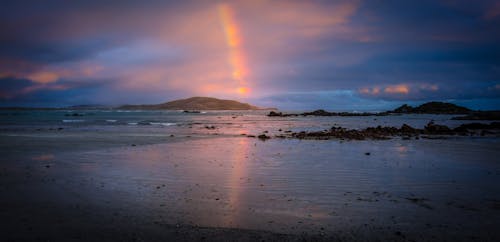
x=237, y=57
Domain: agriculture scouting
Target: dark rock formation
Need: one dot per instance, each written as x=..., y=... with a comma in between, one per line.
x=280, y=114
x=321, y=112
x=426, y=108
x=433, y=108
x=431, y=130
x=263, y=137
x=407, y=129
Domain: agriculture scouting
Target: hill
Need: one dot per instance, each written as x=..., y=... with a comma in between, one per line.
x=433, y=108
x=196, y=103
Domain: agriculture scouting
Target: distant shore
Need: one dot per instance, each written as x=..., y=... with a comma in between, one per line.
x=197, y=104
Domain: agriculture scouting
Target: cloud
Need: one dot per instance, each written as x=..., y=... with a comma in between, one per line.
x=43, y=77
x=154, y=51
x=397, y=89
x=430, y=91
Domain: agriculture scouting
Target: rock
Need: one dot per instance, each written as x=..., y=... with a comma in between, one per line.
x=432, y=128
x=319, y=112
x=405, y=128
x=274, y=114
x=431, y=131
x=263, y=137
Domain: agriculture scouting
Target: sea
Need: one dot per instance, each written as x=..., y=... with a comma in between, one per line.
x=227, y=122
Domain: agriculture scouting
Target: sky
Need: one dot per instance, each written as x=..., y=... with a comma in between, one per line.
x=293, y=55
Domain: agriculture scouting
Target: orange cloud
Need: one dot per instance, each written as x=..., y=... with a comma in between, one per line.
x=75, y=71
x=371, y=91
x=43, y=77
x=397, y=89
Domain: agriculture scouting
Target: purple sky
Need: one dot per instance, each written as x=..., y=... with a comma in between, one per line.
x=337, y=55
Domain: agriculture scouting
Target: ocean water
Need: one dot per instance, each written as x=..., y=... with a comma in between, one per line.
x=226, y=122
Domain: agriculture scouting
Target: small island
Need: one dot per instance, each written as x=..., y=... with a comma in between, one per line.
x=426, y=108
x=196, y=103
x=433, y=108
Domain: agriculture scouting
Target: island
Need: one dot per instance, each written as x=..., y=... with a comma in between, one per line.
x=197, y=103
x=433, y=108
x=426, y=108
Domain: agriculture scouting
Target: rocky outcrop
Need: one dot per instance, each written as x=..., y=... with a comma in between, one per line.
x=321, y=112
x=405, y=131
x=426, y=108
x=433, y=108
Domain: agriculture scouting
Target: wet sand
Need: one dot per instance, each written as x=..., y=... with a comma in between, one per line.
x=75, y=185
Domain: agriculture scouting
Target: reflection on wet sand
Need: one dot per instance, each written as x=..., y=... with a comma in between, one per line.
x=236, y=177
x=285, y=186
x=43, y=157
x=292, y=186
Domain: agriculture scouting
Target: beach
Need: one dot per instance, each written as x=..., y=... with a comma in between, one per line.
x=155, y=176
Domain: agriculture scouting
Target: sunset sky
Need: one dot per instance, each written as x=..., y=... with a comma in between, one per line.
x=337, y=55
